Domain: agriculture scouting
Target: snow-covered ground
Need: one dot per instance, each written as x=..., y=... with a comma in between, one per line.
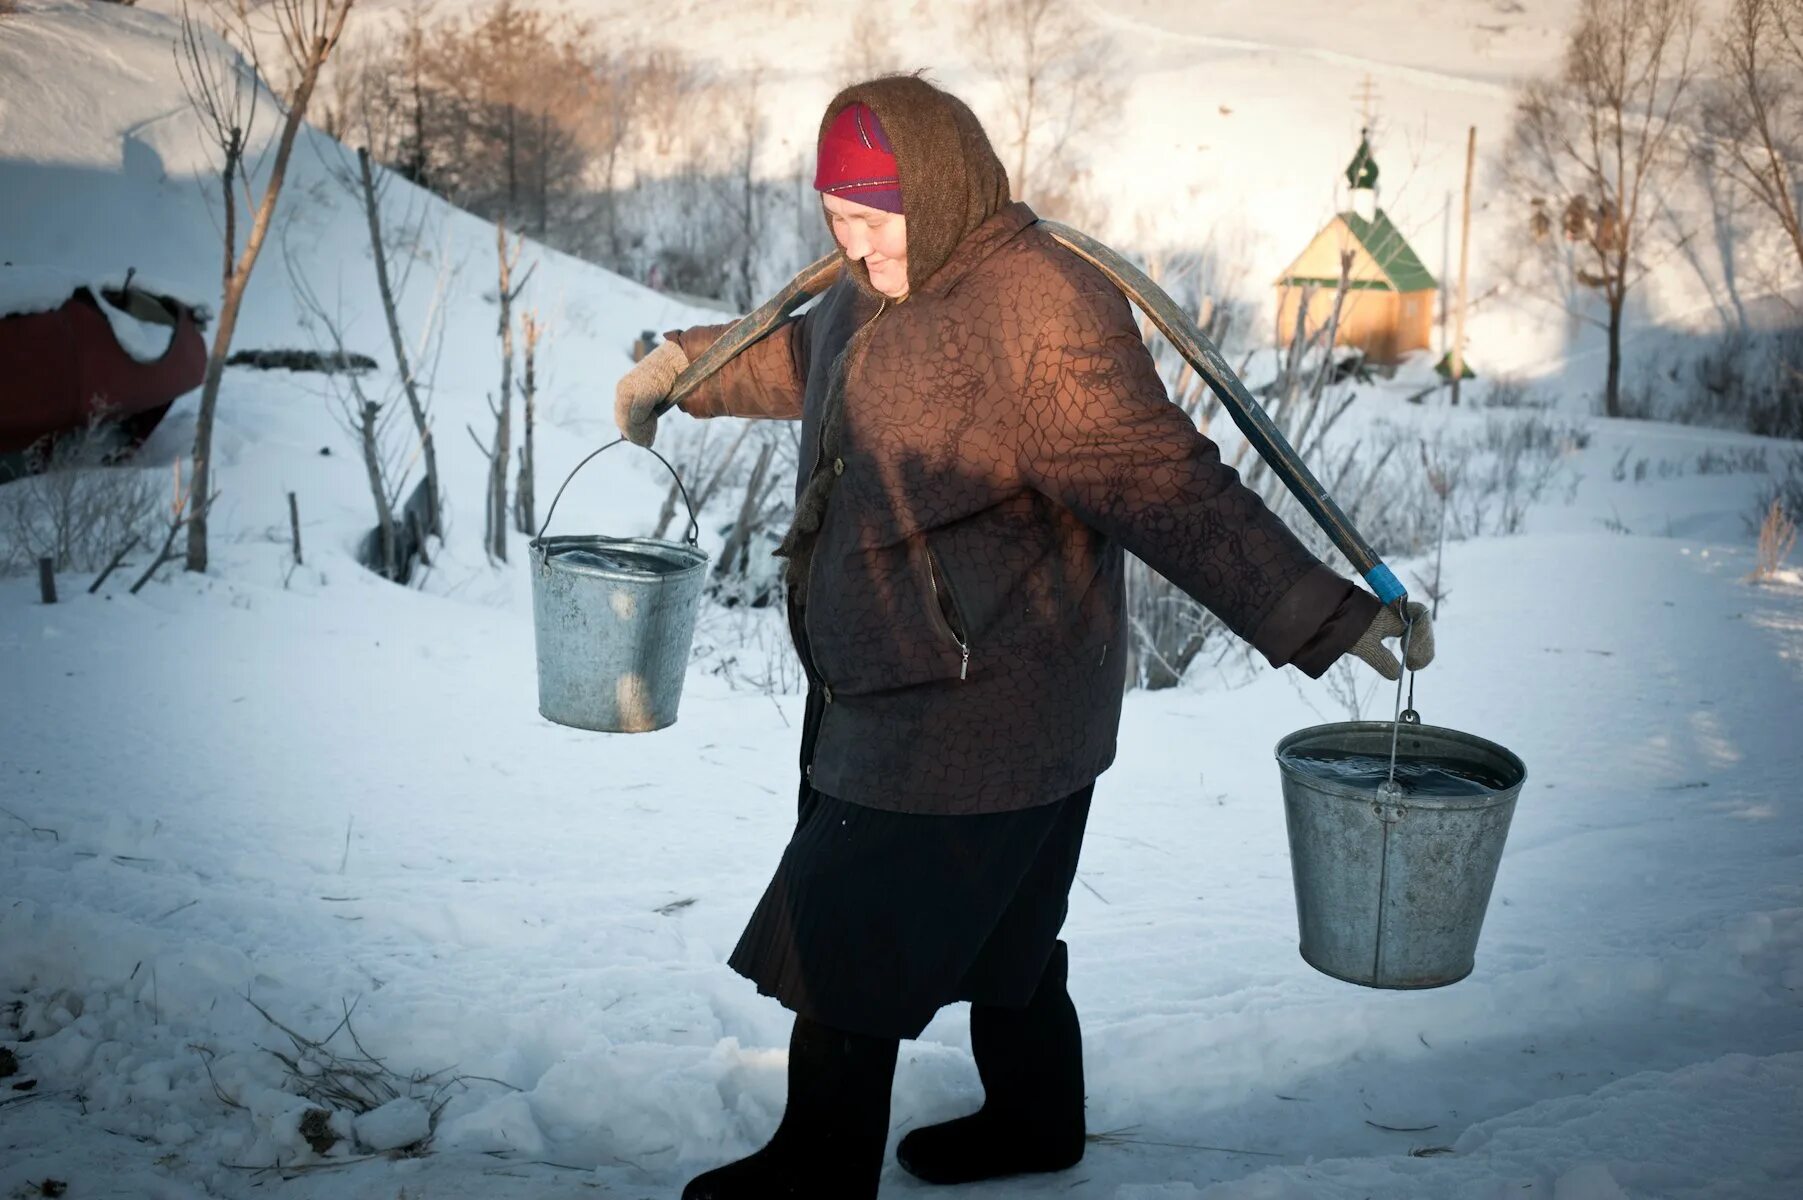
x=269, y=793
x=221, y=791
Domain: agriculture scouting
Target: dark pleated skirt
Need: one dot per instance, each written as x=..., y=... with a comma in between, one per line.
x=876, y=919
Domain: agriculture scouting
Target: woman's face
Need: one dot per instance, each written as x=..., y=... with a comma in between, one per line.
x=876, y=238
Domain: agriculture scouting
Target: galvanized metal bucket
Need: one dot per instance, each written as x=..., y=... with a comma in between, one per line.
x=613, y=619
x=1391, y=889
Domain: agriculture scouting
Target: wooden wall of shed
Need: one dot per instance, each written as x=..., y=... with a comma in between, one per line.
x=1385, y=325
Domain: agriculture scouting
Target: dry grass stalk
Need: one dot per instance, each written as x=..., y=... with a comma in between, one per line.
x=1777, y=538
x=358, y=1082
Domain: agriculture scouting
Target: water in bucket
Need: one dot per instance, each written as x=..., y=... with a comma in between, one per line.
x=1424, y=777
x=603, y=556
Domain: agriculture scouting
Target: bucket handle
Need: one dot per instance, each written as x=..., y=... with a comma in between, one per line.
x=694, y=534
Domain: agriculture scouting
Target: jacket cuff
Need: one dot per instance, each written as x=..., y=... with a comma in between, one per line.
x=1315, y=622
x=694, y=340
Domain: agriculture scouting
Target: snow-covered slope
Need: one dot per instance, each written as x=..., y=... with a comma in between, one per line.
x=103, y=169
x=1239, y=118
x=312, y=791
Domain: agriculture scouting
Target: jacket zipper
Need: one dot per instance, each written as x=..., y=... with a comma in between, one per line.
x=957, y=636
x=807, y=626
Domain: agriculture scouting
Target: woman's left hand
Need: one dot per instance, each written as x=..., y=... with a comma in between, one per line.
x=1370, y=646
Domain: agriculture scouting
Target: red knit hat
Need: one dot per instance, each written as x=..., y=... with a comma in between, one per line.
x=856, y=161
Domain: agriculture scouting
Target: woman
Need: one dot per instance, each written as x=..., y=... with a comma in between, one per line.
x=983, y=434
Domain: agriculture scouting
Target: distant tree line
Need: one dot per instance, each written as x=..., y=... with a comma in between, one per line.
x=1647, y=97
x=653, y=164
x=635, y=158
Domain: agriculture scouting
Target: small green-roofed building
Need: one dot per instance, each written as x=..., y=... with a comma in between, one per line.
x=1389, y=307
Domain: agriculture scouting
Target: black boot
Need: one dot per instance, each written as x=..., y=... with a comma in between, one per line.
x=829, y=1145
x=1031, y=1064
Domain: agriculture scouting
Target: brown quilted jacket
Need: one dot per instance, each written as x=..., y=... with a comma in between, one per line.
x=1005, y=438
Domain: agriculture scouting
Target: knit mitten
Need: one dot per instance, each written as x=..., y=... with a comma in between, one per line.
x=1370, y=646
x=640, y=389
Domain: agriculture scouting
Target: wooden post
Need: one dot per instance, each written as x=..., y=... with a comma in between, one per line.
x=47, y=579
x=1445, y=268
x=1458, y=329
x=294, y=524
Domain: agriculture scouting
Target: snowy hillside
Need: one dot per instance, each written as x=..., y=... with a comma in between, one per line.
x=1239, y=118
x=1237, y=123
x=103, y=169
x=257, y=797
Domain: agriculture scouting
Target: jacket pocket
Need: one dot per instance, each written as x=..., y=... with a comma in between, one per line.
x=945, y=611
x=875, y=622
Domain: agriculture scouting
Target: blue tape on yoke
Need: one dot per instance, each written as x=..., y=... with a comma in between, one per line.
x=1383, y=581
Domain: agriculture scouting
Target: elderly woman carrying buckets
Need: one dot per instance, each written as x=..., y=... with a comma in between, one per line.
x=983, y=436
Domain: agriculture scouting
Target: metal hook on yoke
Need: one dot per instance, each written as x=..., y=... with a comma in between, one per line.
x=1407, y=716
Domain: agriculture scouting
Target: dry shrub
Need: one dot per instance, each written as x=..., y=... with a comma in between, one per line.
x=1404, y=493
x=1512, y=391
x=73, y=508
x=1777, y=538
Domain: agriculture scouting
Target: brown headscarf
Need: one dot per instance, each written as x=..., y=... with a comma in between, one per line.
x=951, y=179
x=951, y=182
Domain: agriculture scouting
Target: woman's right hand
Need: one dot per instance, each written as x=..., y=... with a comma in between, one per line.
x=641, y=389
x=1387, y=624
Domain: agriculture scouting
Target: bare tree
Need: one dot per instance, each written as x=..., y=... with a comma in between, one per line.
x=365, y=115
x=511, y=89
x=222, y=88
x=371, y=420
x=1720, y=233
x=309, y=30
x=524, y=490
x=404, y=365
x=744, y=198
x=499, y=451
x=665, y=87
x=1753, y=112
x=1061, y=83
x=609, y=134
x=378, y=92
x=1591, y=147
